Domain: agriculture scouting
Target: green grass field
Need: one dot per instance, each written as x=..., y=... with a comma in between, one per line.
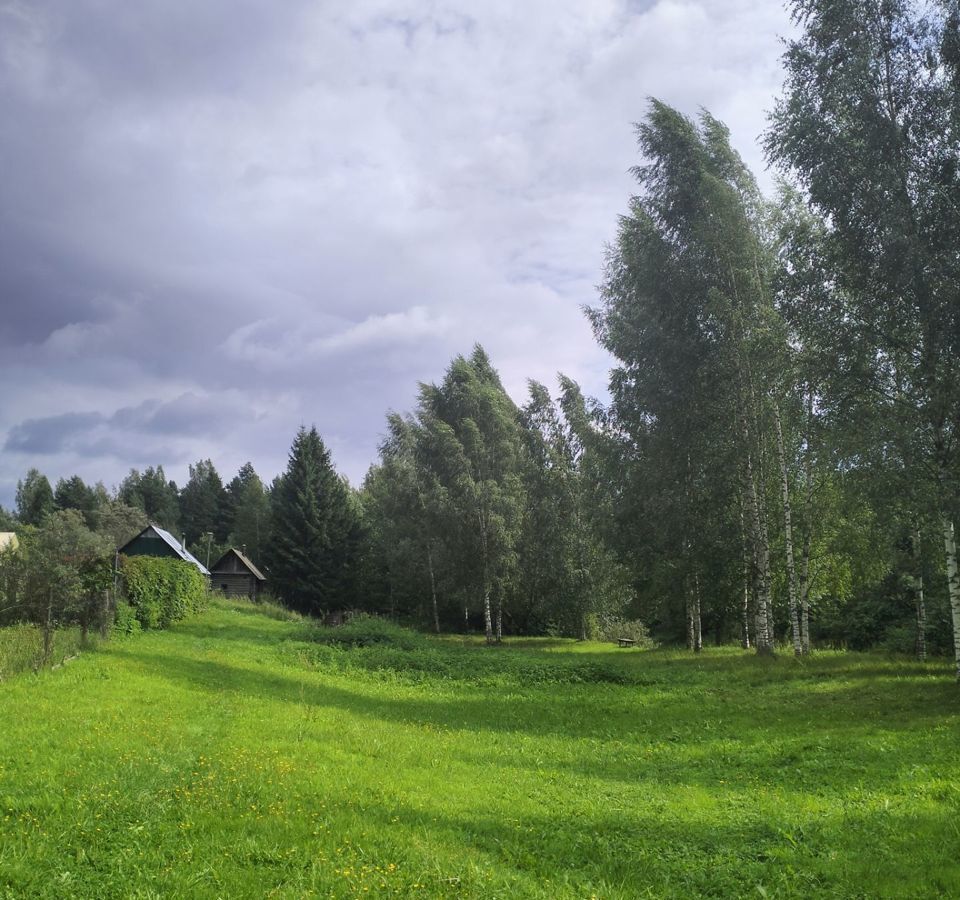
x=234, y=756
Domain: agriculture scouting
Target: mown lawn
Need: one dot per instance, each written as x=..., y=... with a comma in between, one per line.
x=233, y=756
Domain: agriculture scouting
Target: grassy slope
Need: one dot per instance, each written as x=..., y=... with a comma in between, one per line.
x=211, y=760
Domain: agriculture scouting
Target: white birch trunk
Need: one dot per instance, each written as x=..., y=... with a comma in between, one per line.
x=918, y=595
x=808, y=534
x=745, y=606
x=760, y=540
x=761, y=555
x=953, y=584
x=433, y=591
x=788, y=533
x=805, y=566
x=697, y=629
x=48, y=629
x=487, y=615
x=767, y=576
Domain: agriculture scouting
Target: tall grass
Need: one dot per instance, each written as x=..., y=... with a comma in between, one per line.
x=21, y=648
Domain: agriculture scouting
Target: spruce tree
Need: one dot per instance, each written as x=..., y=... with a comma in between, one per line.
x=246, y=514
x=151, y=492
x=314, y=530
x=202, y=501
x=74, y=493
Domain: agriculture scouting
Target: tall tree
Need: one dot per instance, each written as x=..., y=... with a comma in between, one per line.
x=313, y=538
x=74, y=493
x=567, y=572
x=202, y=503
x=151, y=492
x=246, y=514
x=473, y=452
x=873, y=141
x=118, y=522
x=686, y=307
x=7, y=520
x=410, y=507
x=35, y=499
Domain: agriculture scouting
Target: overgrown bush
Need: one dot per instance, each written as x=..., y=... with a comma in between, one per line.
x=126, y=621
x=160, y=590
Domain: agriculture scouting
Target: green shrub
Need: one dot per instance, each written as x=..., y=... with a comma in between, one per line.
x=126, y=621
x=161, y=591
x=900, y=639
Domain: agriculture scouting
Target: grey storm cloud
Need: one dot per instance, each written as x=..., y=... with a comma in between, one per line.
x=221, y=220
x=52, y=434
x=89, y=433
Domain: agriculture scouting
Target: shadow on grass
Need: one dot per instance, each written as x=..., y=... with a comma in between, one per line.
x=634, y=736
x=662, y=851
x=244, y=629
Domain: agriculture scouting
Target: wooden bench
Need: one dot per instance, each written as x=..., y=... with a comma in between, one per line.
x=625, y=642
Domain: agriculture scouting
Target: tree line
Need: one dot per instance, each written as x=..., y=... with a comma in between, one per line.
x=778, y=459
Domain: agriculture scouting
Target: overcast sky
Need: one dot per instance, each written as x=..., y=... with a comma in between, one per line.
x=221, y=219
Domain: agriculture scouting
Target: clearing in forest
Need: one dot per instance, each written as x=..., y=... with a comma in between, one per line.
x=237, y=756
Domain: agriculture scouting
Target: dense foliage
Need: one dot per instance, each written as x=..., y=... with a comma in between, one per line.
x=313, y=549
x=480, y=511
x=159, y=591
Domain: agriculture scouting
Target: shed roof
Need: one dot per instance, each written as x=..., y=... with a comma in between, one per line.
x=173, y=543
x=243, y=559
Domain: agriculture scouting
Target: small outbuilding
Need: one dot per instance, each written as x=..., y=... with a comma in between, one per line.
x=155, y=541
x=8, y=539
x=236, y=576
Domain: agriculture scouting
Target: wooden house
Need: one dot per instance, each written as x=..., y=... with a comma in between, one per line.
x=237, y=576
x=154, y=541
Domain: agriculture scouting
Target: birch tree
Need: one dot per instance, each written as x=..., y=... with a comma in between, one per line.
x=475, y=429
x=873, y=142
x=685, y=308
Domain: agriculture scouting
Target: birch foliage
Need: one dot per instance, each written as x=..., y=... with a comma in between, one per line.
x=868, y=126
